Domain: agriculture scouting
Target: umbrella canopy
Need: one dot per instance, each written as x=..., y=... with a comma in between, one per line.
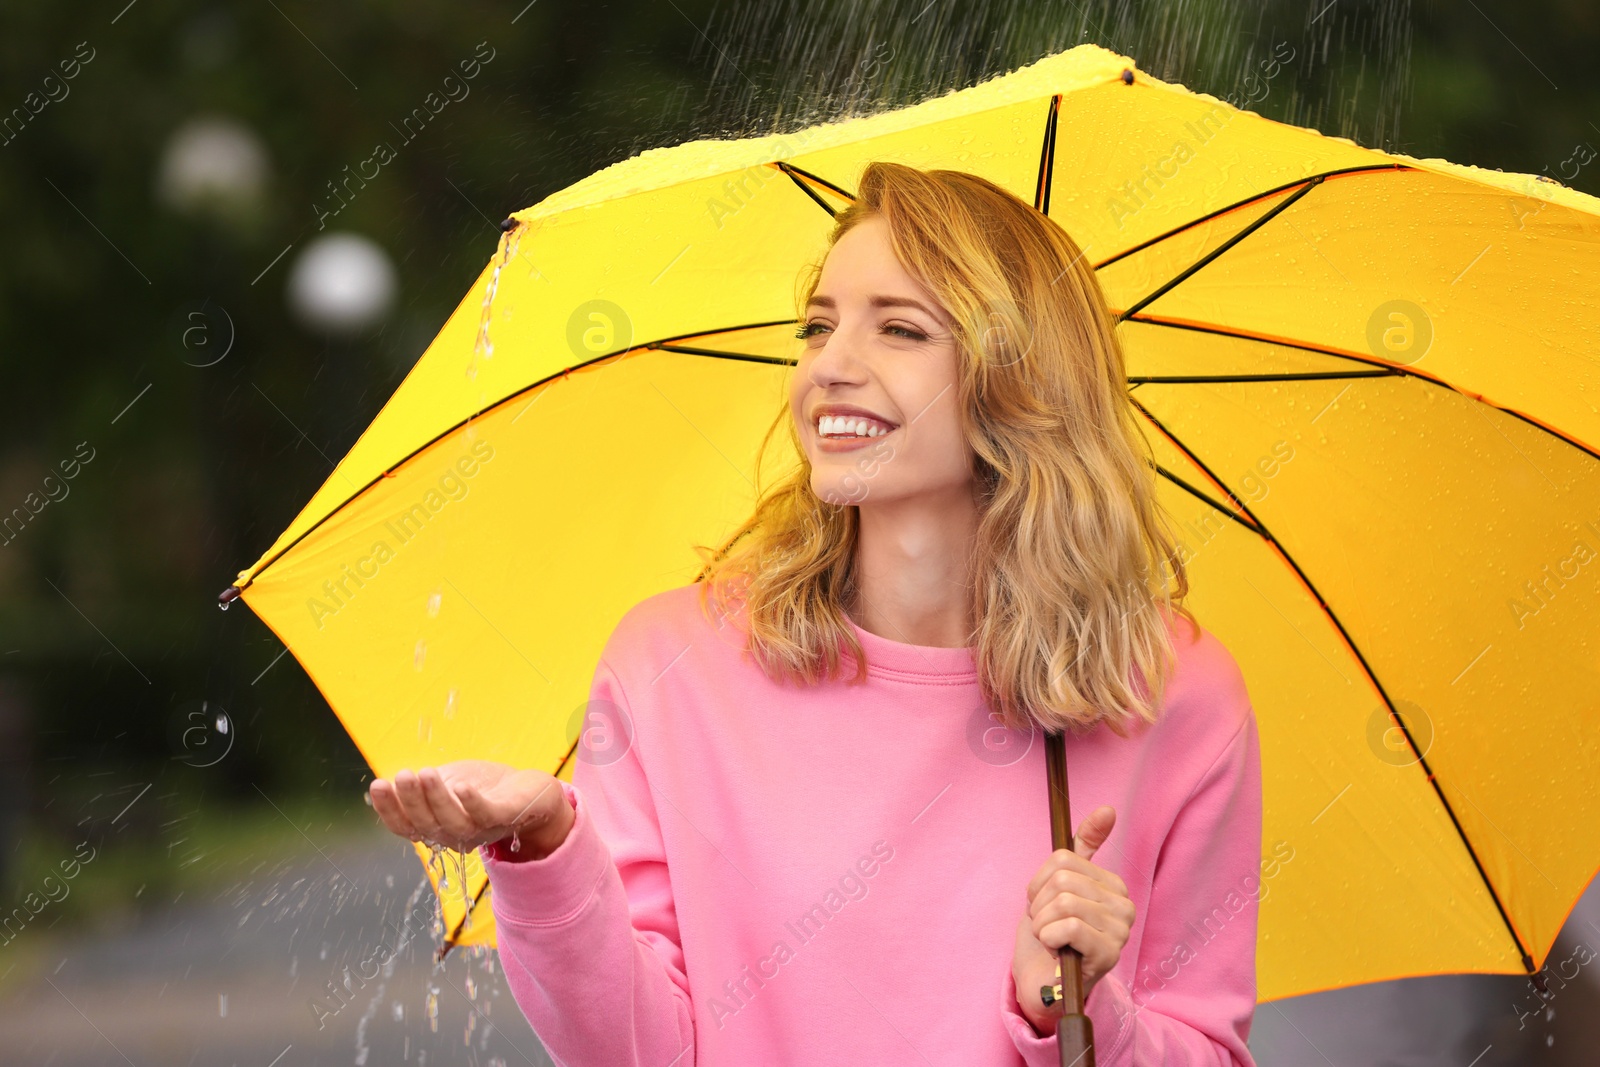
x=1370, y=383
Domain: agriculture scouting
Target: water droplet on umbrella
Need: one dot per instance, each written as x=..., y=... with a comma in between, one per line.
x=483, y=346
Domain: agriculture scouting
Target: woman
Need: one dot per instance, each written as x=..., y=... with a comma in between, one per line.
x=819, y=831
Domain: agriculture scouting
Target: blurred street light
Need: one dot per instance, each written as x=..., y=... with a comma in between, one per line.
x=342, y=283
x=214, y=166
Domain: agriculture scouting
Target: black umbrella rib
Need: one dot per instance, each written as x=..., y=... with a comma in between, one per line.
x=1268, y=216
x=795, y=173
x=1047, y=158
x=1247, y=335
x=743, y=357
x=1383, y=370
x=1372, y=676
x=1195, y=379
x=1205, y=497
x=1251, y=199
x=1209, y=473
x=403, y=460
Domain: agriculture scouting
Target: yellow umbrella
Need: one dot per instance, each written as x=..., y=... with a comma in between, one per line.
x=1371, y=389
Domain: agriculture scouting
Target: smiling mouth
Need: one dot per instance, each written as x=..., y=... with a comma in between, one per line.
x=850, y=427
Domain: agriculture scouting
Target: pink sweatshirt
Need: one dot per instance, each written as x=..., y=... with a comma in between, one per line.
x=763, y=874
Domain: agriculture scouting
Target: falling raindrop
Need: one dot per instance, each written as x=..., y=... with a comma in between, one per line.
x=450, y=704
x=435, y=598
x=420, y=654
x=436, y=857
x=222, y=1005
x=516, y=841
x=398, y=1010
x=466, y=897
x=431, y=1008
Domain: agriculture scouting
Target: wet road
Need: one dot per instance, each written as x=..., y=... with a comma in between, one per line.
x=242, y=979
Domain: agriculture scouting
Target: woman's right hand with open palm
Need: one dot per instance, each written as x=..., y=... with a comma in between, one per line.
x=469, y=803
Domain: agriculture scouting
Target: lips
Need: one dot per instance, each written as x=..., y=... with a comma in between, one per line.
x=844, y=424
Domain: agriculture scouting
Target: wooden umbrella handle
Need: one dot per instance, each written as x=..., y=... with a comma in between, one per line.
x=1074, y=1031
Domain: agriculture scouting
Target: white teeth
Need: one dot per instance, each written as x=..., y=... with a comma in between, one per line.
x=838, y=425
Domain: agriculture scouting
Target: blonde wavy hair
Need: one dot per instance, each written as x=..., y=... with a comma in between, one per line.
x=1074, y=570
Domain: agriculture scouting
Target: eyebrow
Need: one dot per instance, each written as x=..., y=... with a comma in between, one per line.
x=880, y=300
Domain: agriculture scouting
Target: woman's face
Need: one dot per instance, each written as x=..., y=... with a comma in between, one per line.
x=875, y=393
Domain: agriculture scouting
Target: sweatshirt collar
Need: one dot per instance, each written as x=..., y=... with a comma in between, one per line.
x=915, y=662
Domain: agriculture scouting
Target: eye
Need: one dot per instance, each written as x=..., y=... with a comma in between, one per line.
x=906, y=331
x=807, y=329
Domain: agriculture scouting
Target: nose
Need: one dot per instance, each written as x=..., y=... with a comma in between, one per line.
x=837, y=361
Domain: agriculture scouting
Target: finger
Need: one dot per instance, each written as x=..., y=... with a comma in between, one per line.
x=452, y=817
x=485, y=814
x=1071, y=885
x=1059, y=860
x=1094, y=830
x=387, y=805
x=1092, y=944
x=415, y=805
x=1107, y=920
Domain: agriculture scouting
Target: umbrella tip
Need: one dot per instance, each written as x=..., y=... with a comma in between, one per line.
x=1127, y=75
x=507, y=225
x=227, y=596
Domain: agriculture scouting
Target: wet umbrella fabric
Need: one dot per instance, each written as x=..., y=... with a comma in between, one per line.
x=1370, y=383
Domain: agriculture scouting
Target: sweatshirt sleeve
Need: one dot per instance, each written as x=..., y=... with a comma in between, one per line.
x=1189, y=997
x=588, y=935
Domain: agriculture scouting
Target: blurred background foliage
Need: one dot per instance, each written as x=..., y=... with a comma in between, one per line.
x=155, y=207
